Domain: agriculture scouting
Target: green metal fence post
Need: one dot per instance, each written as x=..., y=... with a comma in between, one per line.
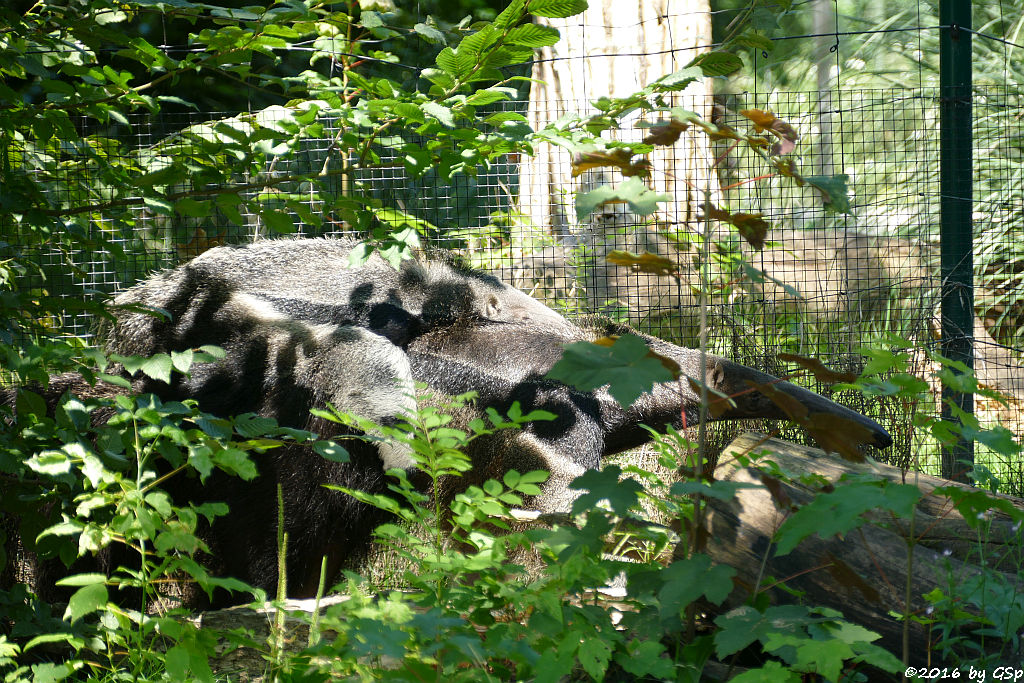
x=955, y=187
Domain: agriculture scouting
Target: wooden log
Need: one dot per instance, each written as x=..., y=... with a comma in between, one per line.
x=864, y=573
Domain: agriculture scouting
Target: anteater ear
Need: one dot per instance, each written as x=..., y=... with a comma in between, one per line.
x=493, y=308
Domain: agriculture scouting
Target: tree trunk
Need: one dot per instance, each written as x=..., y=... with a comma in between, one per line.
x=863, y=574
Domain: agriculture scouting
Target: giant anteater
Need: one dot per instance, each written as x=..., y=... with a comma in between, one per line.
x=301, y=329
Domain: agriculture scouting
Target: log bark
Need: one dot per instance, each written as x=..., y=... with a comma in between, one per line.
x=864, y=574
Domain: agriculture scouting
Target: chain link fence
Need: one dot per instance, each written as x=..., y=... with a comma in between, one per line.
x=825, y=284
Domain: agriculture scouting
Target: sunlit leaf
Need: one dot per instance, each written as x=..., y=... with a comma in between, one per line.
x=439, y=112
x=556, y=9
x=86, y=600
x=767, y=121
x=654, y=264
x=718, y=63
x=532, y=35
x=618, y=157
x=641, y=199
x=331, y=451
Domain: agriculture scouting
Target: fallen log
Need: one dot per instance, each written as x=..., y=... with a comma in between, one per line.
x=863, y=573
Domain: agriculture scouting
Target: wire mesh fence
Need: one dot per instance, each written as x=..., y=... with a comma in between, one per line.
x=825, y=284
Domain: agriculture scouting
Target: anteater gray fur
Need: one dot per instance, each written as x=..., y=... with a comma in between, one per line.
x=302, y=329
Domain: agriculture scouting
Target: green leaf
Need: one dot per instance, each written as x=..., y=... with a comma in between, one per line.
x=208, y=353
x=106, y=16
x=439, y=112
x=473, y=45
x=974, y=504
x=176, y=660
x=164, y=176
x=646, y=657
x=45, y=639
x=511, y=15
x=604, y=484
x=50, y=463
x=371, y=19
x=429, y=33
x=743, y=625
x=82, y=580
x=503, y=56
x=824, y=657
x=86, y=600
x=532, y=35
x=594, y=655
x=448, y=62
x=501, y=117
x=771, y=672
x=200, y=457
x=842, y=509
x=722, y=490
x=686, y=580
x=487, y=96
x=717, y=63
x=627, y=366
x=161, y=502
x=331, y=451
x=642, y=200
x=217, y=427
x=852, y=633
x=192, y=207
x=52, y=673
x=755, y=40
x=556, y=9
x=251, y=425
x=30, y=403
x=440, y=77
x=763, y=19
x=182, y=360
x=158, y=205
x=158, y=367
x=678, y=80
x=833, y=189
x=999, y=439
x=229, y=203
x=236, y=461
x=409, y=112
x=278, y=221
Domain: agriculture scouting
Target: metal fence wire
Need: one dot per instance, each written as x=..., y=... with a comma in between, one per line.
x=830, y=283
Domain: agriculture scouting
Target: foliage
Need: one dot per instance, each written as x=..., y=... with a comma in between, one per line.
x=469, y=607
x=75, y=485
